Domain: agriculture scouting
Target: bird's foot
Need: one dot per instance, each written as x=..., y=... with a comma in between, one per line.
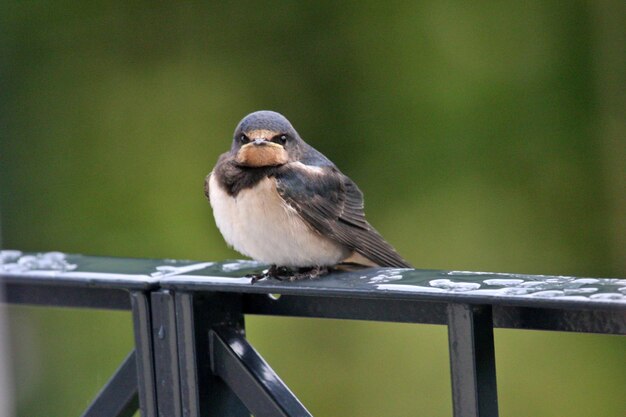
x=278, y=272
x=283, y=273
x=309, y=273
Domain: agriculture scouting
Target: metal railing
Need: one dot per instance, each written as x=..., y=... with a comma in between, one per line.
x=192, y=359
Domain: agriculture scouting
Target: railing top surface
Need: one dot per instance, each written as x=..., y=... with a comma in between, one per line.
x=55, y=268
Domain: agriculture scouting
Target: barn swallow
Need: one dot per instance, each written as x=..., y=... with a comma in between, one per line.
x=281, y=202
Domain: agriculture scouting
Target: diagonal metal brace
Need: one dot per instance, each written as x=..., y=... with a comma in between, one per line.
x=246, y=373
x=119, y=397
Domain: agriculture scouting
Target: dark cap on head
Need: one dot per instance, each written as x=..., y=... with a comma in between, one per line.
x=267, y=120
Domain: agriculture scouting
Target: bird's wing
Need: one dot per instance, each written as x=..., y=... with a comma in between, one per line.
x=333, y=205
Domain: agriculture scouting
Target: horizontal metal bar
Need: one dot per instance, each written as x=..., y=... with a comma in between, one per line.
x=235, y=361
x=428, y=312
x=119, y=396
x=66, y=296
x=462, y=287
x=346, y=308
x=582, y=321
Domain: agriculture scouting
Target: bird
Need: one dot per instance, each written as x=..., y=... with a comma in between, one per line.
x=281, y=202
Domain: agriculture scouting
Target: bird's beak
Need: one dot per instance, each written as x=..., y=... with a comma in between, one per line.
x=259, y=142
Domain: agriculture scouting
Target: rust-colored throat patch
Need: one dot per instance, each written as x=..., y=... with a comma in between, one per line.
x=261, y=155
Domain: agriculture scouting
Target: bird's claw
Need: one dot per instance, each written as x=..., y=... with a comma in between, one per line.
x=278, y=272
x=257, y=277
x=283, y=273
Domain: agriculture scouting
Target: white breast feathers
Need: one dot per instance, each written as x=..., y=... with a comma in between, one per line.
x=260, y=224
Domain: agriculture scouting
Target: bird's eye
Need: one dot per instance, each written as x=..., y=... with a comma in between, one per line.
x=283, y=139
x=244, y=139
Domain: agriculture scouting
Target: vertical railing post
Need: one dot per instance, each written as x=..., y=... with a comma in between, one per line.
x=140, y=305
x=204, y=394
x=472, y=361
x=164, y=340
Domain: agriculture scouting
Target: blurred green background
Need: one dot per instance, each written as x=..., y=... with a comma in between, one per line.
x=485, y=136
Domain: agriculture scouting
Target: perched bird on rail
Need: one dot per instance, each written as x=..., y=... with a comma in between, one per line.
x=283, y=203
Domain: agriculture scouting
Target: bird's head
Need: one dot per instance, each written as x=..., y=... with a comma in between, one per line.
x=265, y=138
